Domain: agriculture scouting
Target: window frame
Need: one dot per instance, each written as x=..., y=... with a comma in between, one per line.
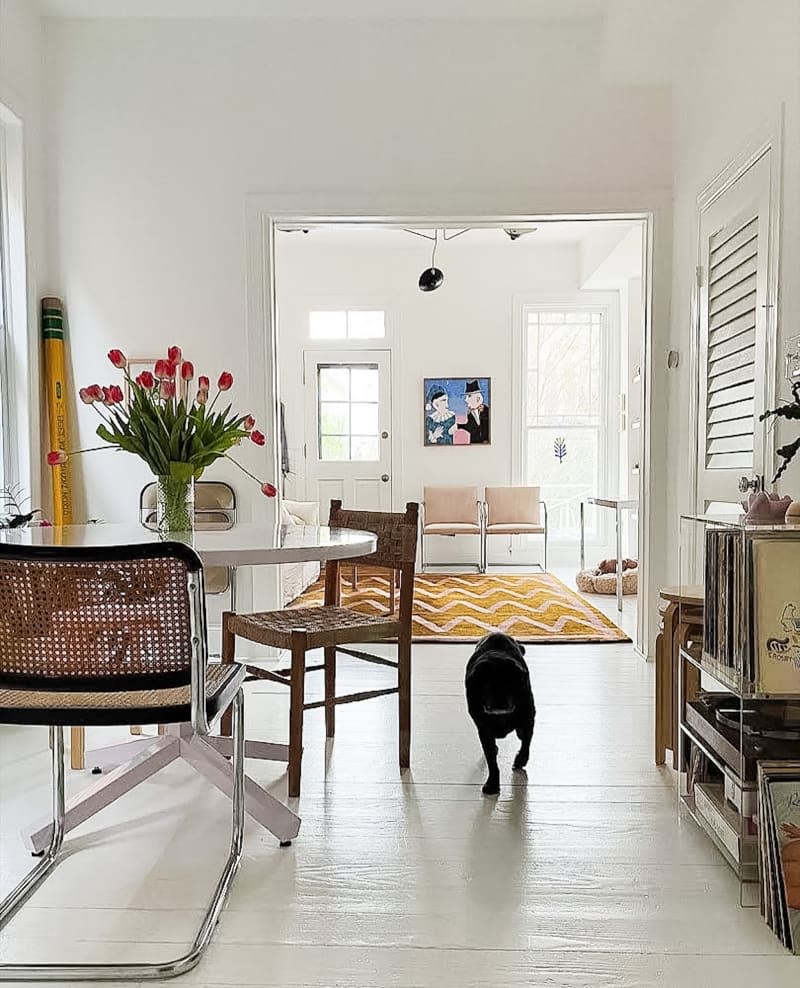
x=9, y=465
x=349, y=435
x=610, y=374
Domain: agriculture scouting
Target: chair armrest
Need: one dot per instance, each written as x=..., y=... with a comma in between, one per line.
x=544, y=506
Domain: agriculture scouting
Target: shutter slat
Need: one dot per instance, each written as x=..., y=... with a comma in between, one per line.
x=735, y=427
x=730, y=296
x=730, y=461
x=733, y=361
x=724, y=242
x=722, y=347
x=730, y=444
x=739, y=276
x=731, y=378
x=722, y=317
x=726, y=264
x=740, y=412
x=730, y=395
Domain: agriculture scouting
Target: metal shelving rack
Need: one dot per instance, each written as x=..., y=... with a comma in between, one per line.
x=705, y=682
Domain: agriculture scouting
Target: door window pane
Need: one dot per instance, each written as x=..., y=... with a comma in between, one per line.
x=364, y=382
x=334, y=384
x=334, y=418
x=348, y=425
x=364, y=419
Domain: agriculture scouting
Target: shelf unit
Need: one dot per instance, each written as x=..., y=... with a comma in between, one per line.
x=722, y=679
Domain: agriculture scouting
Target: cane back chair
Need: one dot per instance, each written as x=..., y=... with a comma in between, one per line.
x=99, y=637
x=333, y=628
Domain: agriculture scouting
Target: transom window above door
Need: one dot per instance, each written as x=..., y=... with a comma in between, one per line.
x=347, y=324
x=348, y=420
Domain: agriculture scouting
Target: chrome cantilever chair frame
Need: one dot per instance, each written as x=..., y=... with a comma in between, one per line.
x=200, y=726
x=485, y=533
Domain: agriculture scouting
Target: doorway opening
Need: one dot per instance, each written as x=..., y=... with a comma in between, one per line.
x=551, y=312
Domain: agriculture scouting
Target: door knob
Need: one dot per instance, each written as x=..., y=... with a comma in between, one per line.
x=384, y=435
x=749, y=484
x=385, y=478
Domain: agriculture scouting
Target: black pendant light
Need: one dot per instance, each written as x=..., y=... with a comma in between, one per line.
x=432, y=277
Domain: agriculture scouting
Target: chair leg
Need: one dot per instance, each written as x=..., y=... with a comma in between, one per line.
x=33, y=879
x=131, y=972
x=227, y=654
x=404, y=698
x=77, y=747
x=392, y=590
x=296, y=704
x=330, y=691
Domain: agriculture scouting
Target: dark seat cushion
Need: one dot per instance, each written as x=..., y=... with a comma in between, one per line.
x=120, y=708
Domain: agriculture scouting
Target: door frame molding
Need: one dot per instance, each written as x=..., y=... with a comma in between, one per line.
x=768, y=142
x=266, y=212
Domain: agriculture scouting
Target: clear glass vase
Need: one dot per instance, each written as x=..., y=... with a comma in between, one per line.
x=174, y=507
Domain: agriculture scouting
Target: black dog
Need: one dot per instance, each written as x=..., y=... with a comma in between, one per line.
x=500, y=700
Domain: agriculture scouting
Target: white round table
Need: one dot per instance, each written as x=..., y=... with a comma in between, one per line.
x=242, y=545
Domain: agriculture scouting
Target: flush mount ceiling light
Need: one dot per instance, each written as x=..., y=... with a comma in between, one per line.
x=514, y=233
x=432, y=277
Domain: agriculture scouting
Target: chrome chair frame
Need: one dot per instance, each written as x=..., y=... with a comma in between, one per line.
x=485, y=539
x=200, y=725
x=480, y=565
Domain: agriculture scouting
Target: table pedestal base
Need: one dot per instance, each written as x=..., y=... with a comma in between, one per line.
x=124, y=766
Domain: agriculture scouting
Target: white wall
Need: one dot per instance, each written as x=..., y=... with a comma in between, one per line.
x=160, y=130
x=465, y=328
x=21, y=92
x=747, y=72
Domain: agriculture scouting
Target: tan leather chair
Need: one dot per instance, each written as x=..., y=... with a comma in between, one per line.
x=514, y=511
x=451, y=511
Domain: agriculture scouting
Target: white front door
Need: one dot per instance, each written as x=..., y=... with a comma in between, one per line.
x=348, y=428
x=734, y=338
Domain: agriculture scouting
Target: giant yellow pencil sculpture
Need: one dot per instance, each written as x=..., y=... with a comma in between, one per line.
x=56, y=389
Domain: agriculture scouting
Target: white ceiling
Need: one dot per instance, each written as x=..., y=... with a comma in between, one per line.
x=328, y=9
x=546, y=233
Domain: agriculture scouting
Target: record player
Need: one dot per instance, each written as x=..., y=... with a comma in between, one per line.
x=770, y=730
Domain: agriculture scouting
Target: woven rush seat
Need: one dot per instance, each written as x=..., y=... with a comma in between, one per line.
x=320, y=623
x=118, y=708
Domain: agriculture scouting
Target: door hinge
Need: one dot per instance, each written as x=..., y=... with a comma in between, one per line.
x=698, y=273
x=305, y=451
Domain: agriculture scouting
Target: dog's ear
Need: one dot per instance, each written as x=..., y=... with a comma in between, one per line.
x=521, y=647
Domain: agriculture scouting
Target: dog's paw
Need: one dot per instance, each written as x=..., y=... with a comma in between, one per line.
x=520, y=763
x=491, y=787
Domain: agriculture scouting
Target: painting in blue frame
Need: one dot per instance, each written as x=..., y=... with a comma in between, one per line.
x=457, y=411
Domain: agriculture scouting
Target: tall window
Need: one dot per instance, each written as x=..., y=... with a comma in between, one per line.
x=5, y=341
x=564, y=441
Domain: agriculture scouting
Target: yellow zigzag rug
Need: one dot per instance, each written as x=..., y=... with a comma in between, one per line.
x=463, y=607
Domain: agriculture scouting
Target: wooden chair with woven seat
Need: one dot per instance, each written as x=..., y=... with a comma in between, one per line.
x=333, y=627
x=103, y=637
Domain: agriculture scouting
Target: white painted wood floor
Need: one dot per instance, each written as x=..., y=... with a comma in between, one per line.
x=580, y=875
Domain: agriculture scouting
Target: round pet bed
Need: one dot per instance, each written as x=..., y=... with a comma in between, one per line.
x=590, y=581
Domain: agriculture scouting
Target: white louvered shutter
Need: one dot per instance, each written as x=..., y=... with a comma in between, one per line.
x=732, y=300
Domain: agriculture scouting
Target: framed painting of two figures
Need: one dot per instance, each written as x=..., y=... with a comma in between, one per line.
x=457, y=411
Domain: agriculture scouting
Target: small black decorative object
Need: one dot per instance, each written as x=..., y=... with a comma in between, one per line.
x=432, y=277
x=560, y=448
x=789, y=411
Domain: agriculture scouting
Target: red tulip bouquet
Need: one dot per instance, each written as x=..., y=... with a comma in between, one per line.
x=177, y=438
